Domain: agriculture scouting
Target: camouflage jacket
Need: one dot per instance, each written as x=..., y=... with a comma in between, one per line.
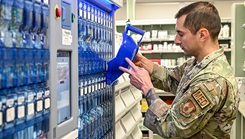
x=205, y=104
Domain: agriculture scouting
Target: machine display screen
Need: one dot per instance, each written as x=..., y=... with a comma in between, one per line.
x=63, y=86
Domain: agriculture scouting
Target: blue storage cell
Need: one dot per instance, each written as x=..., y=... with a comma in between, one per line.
x=36, y=42
x=17, y=39
x=20, y=73
x=44, y=43
x=45, y=68
x=80, y=9
x=84, y=6
x=9, y=78
x=36, y=17
x=37, y=54
x=20, y=115
x=39, y=71
x=19, y=55
x=44, y=19
x=17, y=14
x=2, y=109
x=46, y=112
x=5, y=13
x=30, y=72
x=28, y=15
x=45, y=54
x=30, y=113
x=29, y=55
x=8, y=53
x=9, y=114
x=27, y=40
x=1, y=75
x=38, y=112
x=6, y=38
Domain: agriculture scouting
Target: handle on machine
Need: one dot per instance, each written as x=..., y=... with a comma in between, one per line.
x=135, y=30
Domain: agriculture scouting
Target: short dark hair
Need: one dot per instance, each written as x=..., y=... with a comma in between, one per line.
x=201, y=14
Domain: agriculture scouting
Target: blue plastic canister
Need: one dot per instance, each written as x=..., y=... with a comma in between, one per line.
x=127, y=49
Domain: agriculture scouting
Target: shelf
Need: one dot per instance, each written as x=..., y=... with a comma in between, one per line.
x=120, y=134
x=146, y=22
x=171, y=39
x=229, y=38
x=169, y=51
x=126, y=97
x=128, y=123
x=160, y=51
x=135, y=111
x=157, y=22
x=156, y=39
x=119, y=108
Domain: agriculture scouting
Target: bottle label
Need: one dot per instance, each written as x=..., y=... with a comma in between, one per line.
x=21, y=111
x=80, y=12
x=81, y=92
x=30, y=109
x=47, y=103
x=10, y=102
x=1, y=118
x=39, y=105
x=30, y=97
x=85, y=90
x=47, y=93
x=21, y=99
x=10, y=114
x=46, y=2
x=39, y=95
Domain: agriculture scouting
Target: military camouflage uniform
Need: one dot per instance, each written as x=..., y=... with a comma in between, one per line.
x=205, y=104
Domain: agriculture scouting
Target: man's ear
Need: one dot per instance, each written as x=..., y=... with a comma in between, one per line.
x=203, y=34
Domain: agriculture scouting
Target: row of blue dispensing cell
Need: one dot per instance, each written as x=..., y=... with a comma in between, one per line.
x=95, y=107
x=24, y=52
x=95, y=38
x=24, y=111
x=95, y=49
x=24, y=63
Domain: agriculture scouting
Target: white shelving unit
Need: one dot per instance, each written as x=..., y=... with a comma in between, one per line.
x=127, y=110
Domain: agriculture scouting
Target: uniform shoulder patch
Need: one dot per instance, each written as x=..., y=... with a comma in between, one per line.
x=201, y=99
x=187, y=108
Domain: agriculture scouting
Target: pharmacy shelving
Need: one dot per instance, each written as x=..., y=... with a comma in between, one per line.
x=127, y=110
x=171, y=51
x=168, y=27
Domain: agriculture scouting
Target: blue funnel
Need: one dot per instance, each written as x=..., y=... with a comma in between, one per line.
x=127, y=49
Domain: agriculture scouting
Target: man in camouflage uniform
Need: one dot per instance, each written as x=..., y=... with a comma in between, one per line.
x=206, y=96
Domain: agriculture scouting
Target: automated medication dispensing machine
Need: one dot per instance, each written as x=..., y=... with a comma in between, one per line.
x=81, y=43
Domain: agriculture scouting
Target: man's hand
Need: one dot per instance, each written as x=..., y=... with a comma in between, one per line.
x=143, y=62
x=139, y=77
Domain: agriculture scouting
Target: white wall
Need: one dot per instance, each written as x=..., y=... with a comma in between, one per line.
x=146, y=11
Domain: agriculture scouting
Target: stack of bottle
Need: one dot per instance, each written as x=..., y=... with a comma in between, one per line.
x=24, y=63
x=95, y=34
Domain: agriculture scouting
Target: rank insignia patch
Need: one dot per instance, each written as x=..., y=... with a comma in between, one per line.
x=187, y=108
x=201, y=99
